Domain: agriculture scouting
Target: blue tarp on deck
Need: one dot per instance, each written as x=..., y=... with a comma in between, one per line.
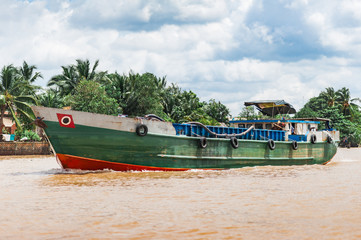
x=254, y=134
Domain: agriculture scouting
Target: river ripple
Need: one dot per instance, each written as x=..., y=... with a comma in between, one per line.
x=39, y=200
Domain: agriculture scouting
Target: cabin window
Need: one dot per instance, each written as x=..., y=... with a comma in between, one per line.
x=241, y=125
x=268, y=126
x=249, y=125
x=259, y=126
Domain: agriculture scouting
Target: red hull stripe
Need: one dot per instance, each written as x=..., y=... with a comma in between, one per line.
x=74, y=162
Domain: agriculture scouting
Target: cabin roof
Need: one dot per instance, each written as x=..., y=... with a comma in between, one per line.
x=313, y=119
x=276, y=120
x=272, y=107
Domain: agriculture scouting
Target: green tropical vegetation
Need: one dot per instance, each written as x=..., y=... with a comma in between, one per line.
x=17, y=93
x=81, y=86
x=90, y=96
x=249, y=113
x=340, y=108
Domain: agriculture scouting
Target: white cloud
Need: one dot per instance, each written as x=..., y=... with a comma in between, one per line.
x=262, y=32
x=233, y=51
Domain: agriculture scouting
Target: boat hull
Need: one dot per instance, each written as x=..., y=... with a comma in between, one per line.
x=74, y=162
x=94, y=148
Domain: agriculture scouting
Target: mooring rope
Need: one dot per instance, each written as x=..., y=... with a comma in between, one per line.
x=151, y=116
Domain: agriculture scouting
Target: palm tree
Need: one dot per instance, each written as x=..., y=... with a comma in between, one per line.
x=73, y=74
x=137, y=94
x=330, y=96
x=51, y=98
x=348, y=107
x=27, y=72
x=117, y=87
x=13, y=96
x=171, y=100
x=83, y=69
x=67, y=81
x=161, y=83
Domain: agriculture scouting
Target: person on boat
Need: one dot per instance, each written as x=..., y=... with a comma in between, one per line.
x=278, y=126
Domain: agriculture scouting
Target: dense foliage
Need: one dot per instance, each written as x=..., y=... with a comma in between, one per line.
x=137, y=94
x=17, y=93
x=90, y=96
x=81, y=87
x=249, y=113
x=340, y=108
x=131, y=94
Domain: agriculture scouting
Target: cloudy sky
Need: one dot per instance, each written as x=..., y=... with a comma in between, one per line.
x=232, y=51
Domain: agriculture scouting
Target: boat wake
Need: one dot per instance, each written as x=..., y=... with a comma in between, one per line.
x=347, y=160
x=78, y=171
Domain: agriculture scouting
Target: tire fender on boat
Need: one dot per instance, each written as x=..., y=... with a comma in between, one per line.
x=329, y=139
x=313, y=138
x=294, y=145
x=234, y=142
x=141, y=130
x=271, y=144
x=203, y=142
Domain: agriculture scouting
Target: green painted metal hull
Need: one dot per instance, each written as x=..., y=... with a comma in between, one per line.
x=171, y=151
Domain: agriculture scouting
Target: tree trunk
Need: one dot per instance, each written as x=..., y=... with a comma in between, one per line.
x=2, y=121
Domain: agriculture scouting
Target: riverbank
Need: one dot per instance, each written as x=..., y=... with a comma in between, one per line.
x=9, y=157
x=24, y=148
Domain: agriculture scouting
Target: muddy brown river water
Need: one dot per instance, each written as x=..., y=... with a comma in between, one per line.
x=39, y=200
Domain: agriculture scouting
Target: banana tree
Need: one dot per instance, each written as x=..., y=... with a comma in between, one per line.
x=14, y=96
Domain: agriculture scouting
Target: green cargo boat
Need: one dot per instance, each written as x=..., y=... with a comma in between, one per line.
x=91, y=141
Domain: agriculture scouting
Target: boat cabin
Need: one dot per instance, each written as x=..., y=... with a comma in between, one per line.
x=293, y=126
x=300, y=130
x=294, y=129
